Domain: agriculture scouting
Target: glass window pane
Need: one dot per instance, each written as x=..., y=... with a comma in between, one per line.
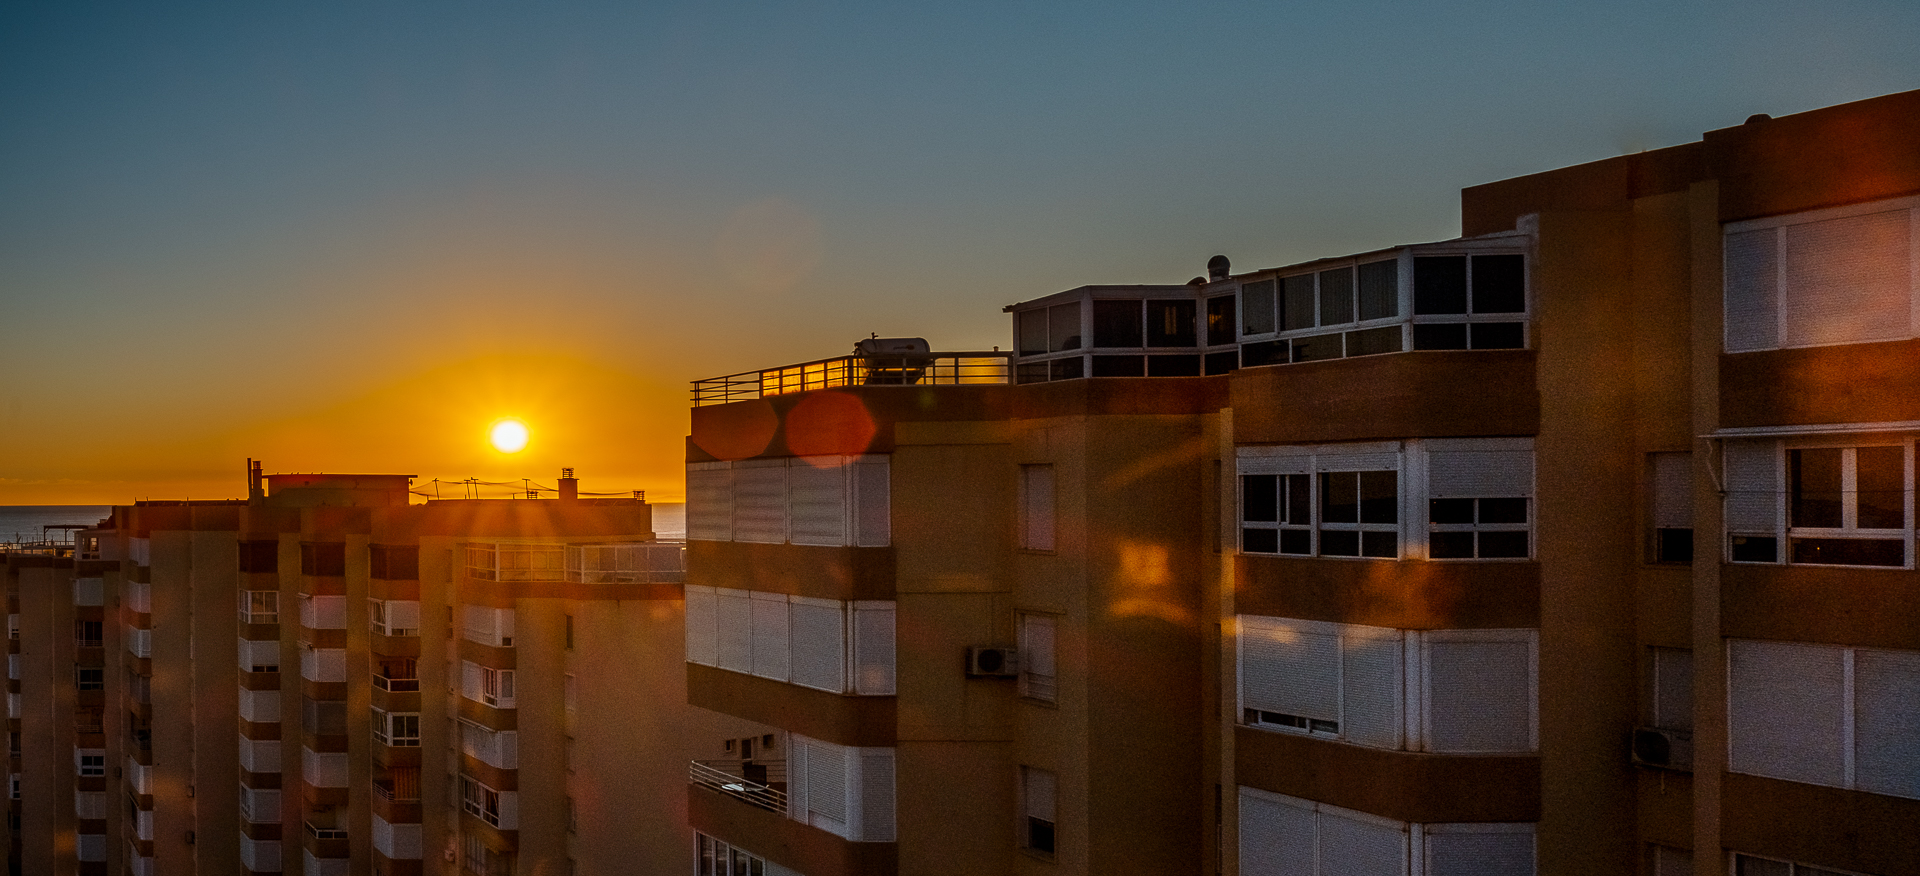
x=1440, y=284
x=1450, y=545
x=1499, y=284
x=1340, y=497
x=1170, y=324
x=1063, y=326
x=1499, y=336
x=1453, y=511
x=1259, y=541
x=1256, y=300
x=1116, y=323
x=1299, y=505
x=1336, y=296
x=1503, y=510
x=1503, y=544
x=1298, y=542
x=1379, y=497
x=1220, y=320
x=1880, y=474
x=1814, y=482
x=1337, y=543
x=1368, y=342
x=1296, y=302
x=1258, y=499
x=1448, y=336
x=1379, y=290
x=1318, y=348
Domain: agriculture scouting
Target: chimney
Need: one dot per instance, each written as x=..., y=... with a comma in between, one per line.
x=569, y=485
x=256, y=483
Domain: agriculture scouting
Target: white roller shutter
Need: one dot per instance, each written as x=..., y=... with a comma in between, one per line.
x=769, y=635
x=402, y=614
x=1479, y=691
x=735, y=624
x=1753, y=486
x=1848, y=280
x=258, y=652
x=256, y=756
x=826, y=785
x=702, y=625
x=1372, y=692
x=1036, y=507
x=1353, y=844
x=1277, y=461
x=709, y=501
x=1886, y=746
x=1785, y=711
x=1276, y=838
x=1752, y=263
x=1357, y=461
x=817, y=630
x=1474, y=474
x=760, y=501
x=259, y=706
x=1673, y=490
x=323, y=769
x=872, y=502
x=797, y=778
x=323, y=612
x=876, y=807
x=1290, y=667
x=817, y=500
x=873, y=643
x=323, y=664
x=1479, y=850
x=472, y=681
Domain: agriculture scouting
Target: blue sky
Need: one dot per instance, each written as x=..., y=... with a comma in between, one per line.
x=261, y=229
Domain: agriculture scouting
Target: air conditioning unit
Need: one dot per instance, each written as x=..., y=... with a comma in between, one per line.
x=993, y=662
x=1667, y=749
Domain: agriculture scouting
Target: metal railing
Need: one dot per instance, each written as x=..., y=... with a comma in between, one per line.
x=396, y=685
x=758, y=783
x=930, y=369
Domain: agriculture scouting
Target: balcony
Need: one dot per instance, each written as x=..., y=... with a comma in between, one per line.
x=637, y=563
x=759, y=783
x=914, y=369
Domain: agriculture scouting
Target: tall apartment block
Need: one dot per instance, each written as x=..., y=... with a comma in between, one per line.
x=1581, y=544
x=466, y=686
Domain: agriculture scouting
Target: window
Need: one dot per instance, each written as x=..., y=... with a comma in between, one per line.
x=1443, y=691
x=260, y=557
x=1036, y=507
x=1338, y=514
x=496, y=687
x=259, y=606
x=89, y=678
x=1838, y=276
x=493, y=807
x=489, y=626
x=1050, y=329
x=1281, y=834
x=397, y=674
x=1825, y=715
x=394, y=562
x=716, y=858
x=1037, y=658
x=570, y=695
x=1754, y=865
x=1672, y=489
x=1668, y=700
x=90, y=762
x=569, y=632
x=394, y=617
x=1465, y=529
x=499, y=749
x=397, y=729
x=327, y=558
x=845, y=791
x=1454, y=296
x=835, y=501
x=1836, y=502
x=796, y=639
x=87, y=634
x=1037, y=802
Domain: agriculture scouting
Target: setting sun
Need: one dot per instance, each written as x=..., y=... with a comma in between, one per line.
x=509, y=436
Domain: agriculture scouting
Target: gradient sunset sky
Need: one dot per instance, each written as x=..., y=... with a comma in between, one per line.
x=350, y=236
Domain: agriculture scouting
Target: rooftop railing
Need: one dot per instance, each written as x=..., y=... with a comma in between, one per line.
x=927, y=369
x=758, y=783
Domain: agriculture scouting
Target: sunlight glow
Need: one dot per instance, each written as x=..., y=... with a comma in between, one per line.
x=508, y=436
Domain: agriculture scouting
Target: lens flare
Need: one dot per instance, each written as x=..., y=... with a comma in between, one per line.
x=509, y=436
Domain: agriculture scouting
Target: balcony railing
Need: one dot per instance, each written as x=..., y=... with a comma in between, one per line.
x=927, y=369
x=326, y=833
x=759, y=783
x=396, y=685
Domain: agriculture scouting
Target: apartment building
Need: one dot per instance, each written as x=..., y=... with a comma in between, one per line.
x=460, y=686
x=1583, y=543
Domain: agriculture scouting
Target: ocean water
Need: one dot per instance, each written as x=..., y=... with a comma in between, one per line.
x=23, y=522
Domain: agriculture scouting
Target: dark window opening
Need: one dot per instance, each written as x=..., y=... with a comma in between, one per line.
x=1173, y=366
x=1170, y=324
x=1379, y=290
x=394, y=562
x=260, y=556
x=1220, y=312
x=1117, y=324
x=324, y=558
x=1440, y=285
x=1499, y=284
x=1336, y=296
x=1119, y=366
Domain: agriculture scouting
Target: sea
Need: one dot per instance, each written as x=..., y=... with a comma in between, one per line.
x=20, y=523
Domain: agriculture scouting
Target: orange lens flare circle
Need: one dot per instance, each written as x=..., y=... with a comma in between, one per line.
x=509, y=436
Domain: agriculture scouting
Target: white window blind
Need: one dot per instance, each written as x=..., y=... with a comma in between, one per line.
x=1785, y=711
x=1478, y=849
x=1752, y=264
x=1836, y=276
x=89, y=591
x=1355, y=844
x=1373, y=698
x=709, y=501
x=259, y=655
x=323, y=664
x=818, y=630
x=489, y=626
x=1039, y=656
x=140, y=643
x=259, y=706
x=1482, y=468
x=873, y=501
x=770, y=641
x=260, y=755
x=702, y=625
x=1289, y=836
x=1479, y=691
x=735, y=623
x=1754, y=486
x=817, y=500
x=1036, y=507
x=323, y=612
x=260, y=805
x=323, y=769
x=399, y=842
x=760, y=501
x=1673, y=490
x=90, y=804
x=1290, y=668
x=260, y=856
x=873, y=648
x=848, y=792
x=1886, y=745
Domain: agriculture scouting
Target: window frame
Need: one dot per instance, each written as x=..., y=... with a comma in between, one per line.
x=1776, y=303
x=1037, y=832
x=1032, y=684
x=1039, y=485
x=1772, y=457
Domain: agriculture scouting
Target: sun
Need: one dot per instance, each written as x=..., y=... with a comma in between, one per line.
x=508, y=436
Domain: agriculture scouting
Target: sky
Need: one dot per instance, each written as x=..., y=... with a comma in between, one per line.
x=351, y=236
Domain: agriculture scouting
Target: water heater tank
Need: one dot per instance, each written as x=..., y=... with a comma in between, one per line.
x=892, y=347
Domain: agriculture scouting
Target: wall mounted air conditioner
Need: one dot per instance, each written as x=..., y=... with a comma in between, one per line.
x=992, y=662
x=1667, y=749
